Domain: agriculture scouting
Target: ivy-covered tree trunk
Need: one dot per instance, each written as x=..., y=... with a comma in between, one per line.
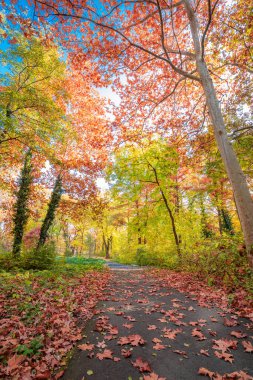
x=21, y=211
x=52, y=206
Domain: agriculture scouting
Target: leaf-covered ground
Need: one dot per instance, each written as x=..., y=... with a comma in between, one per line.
x=163, y=325
x=41, y=318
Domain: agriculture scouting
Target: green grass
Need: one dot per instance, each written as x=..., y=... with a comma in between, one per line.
x=79, y=260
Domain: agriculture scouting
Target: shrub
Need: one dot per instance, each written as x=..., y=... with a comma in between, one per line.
x=41, y=258
x=8, y=262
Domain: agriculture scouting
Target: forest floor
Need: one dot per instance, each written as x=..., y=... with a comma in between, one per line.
x=160, y=325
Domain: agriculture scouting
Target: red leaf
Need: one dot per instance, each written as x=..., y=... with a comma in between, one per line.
x=107, y=354
x=126, y=353
x=86, y=347
x=196, y=332
x=141, y=365
x=204, y=352
x=247, y=346
x=238, y=334
x=14, y=362
x=224, y=344
x=153, y=376
x=224, y=355
x=171, y=334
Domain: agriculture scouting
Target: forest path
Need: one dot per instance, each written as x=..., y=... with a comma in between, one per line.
x=147, y=330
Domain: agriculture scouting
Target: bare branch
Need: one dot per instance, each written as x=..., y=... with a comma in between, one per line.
x=210, y=14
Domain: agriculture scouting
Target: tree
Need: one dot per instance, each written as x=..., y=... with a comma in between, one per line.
x=21, y=211
x=155, y=166
x=177, y=51
x=32, y=94
x=52, y=206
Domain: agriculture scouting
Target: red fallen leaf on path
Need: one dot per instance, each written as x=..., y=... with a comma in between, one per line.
x=153, y=376
x=90, y=355
x=163, y=320
x=192, y=323
x=230, y=322
x=205, y=372
x=119, y=313
x=171, y=334
x=134, y=340
x=113, y=330
x=86, y=347
x=123, y=340
x=128, y=325
x=14, y=362
x=224, y=344
x=107, y=354
x=159, y=347
x=241, y=375
x=196, y=332
x=156, y=340
x=247, y=346
x=109, y=337
x=152, y=327
x=183, y=353
x=204, y=352
x=224, y=355
x=126, y=353
x=141, y=365
x=238, y=334
x=115, y=359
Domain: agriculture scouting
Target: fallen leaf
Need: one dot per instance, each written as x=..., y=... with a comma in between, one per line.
x=224, y=355
x=86, y=347
x=197, y=333
x=247, y=346
x=141, y=365
x=107, y=354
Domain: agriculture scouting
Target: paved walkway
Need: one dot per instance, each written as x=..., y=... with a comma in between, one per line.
x=144, y=330
x=117, y=266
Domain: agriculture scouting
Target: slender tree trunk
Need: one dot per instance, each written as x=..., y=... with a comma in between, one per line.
x=138, y=223
x=106, y=243
x=174, y=229
x=243, y=200
x=52, y=206
x=176, y=237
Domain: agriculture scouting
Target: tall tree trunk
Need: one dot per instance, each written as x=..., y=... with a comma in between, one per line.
x=52, y=206
x=243, y=200
x=21, y=211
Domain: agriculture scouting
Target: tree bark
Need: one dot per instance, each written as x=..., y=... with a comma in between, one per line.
x=243, y=200
x=174, y=229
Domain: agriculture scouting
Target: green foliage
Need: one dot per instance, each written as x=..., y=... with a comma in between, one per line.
x=30, y=90
x=21, y=211
x=221, y=261
x=40, y=258
x=33, y=348
x=8, y=262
